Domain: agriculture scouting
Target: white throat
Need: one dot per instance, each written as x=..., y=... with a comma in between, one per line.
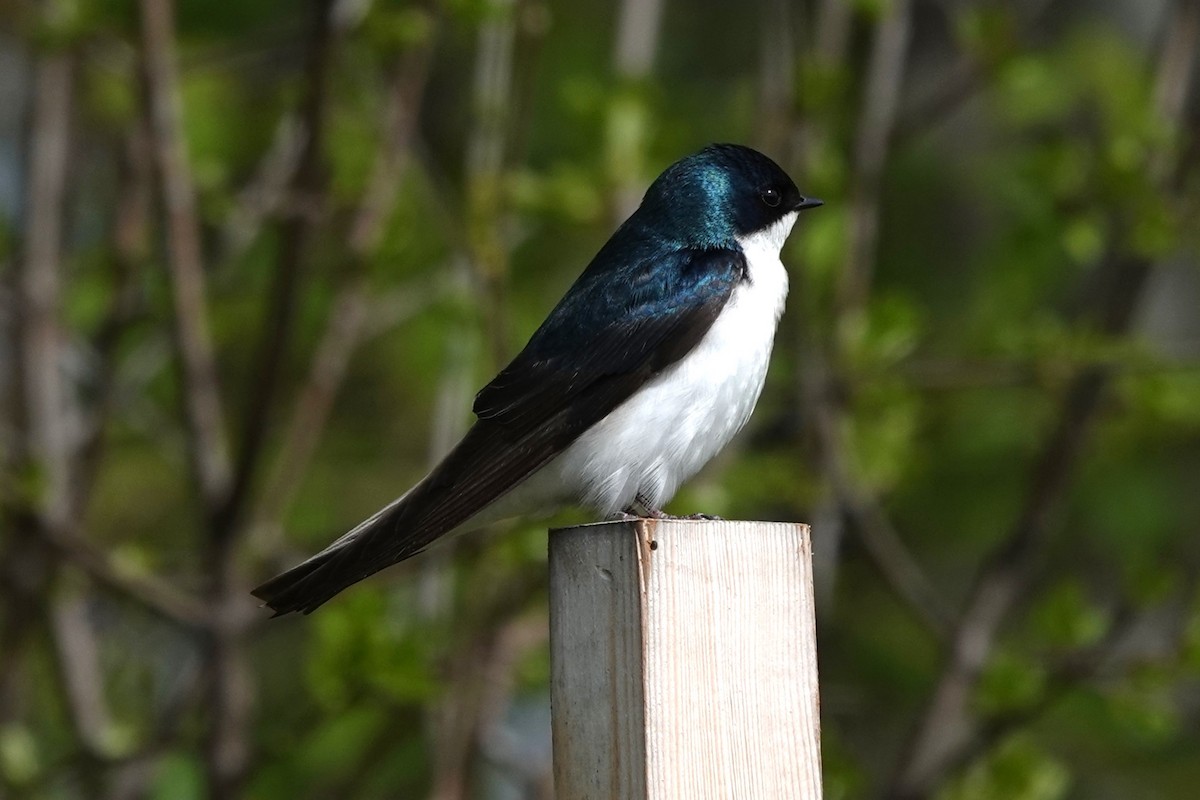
x=769, y=241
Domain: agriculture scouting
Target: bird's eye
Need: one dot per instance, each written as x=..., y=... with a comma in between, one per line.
x=770, y=196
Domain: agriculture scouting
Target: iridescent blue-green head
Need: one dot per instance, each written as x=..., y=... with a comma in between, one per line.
x=723, y=192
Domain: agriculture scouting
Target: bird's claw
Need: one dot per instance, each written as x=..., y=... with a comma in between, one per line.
x=654, y=513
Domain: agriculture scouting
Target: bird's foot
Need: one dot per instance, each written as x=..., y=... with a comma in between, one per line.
x=631, y=516
x=641, y=504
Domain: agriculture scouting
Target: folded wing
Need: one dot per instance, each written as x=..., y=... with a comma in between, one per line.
x=614, y=331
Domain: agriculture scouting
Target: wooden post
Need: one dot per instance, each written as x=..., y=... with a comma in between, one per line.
x=684, y=661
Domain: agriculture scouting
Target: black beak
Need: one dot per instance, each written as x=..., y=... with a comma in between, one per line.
x=808, y=202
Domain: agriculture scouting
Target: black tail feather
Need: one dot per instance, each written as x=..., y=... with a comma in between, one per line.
x=295, y=589
x=489, y=461
x=360, y=553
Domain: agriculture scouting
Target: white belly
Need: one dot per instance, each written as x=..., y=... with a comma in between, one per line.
x=673, y=426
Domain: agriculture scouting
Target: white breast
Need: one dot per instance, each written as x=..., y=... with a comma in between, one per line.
x=674, y=425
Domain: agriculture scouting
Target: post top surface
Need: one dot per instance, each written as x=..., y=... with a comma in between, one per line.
x=658, y=524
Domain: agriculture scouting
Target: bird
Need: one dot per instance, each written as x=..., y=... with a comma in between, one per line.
x=646, y=368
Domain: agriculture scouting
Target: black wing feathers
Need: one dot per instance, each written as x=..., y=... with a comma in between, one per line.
x=604, y=341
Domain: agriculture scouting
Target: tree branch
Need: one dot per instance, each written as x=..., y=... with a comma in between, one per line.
x=486, y=159
x=832, y=31
x=635, y=48
x=946, y=727
x=199, y=391
x=822, y=405
x=130, y=246
x=346, y=326
x=154, y=595
x=879, y=538
x=37, y=494
x=885, y=76
x=80, y=679
x=228, y=689
x=306, y=198
x=266, y=192
x=777, y=79
x=38, y=286
x=961, y=81
x=1089, y=665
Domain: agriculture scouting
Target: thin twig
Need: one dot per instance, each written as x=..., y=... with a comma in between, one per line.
x=482, y=269
x=448, y=211
x=41, y=447
x=885, y=76
x=199, y=391
x=310, y=414
x=371, y=759
x=823, y=405
x=151, y=593
x=306, y=198
x=832, y=31
x=1096, y=664
x=960, y=82
x=24, y=573
x=347, y=324
x=952, y=374
x=453, y=722
x=495, y=741
x=266, y=192
x=486, y=160
x=635, y=49
x=870, y=523
x=40, y=337
x=130, y=246
x=229, y=693
x=351, y=322
x=826, y=51
x=481, y=671
x=777, y=79
x=79, y=674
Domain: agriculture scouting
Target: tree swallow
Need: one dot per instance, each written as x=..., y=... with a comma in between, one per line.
x=647, y=367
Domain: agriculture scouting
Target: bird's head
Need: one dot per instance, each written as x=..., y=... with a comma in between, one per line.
x=722, y=193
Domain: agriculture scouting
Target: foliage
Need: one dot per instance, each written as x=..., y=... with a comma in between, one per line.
x=470, y=157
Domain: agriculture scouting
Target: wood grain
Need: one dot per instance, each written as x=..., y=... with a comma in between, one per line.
x=683, y=661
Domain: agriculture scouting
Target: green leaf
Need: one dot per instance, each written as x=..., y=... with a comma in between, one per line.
x=1146, y=704
x=1010, y=682
x=1065, y=618
x=1017, y=770
x=20, y=760
x=179, y=777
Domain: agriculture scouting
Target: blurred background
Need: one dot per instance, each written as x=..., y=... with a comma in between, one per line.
x=257, y=257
